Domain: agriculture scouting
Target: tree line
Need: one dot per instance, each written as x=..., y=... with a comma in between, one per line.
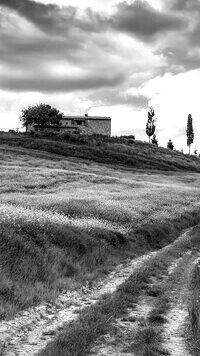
x=151, y=127
x=43, y=114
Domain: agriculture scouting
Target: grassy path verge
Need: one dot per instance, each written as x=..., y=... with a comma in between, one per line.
x=31, y=330
x=103, y=318
x=193, y=306
x=162, y=325
x=175, y=329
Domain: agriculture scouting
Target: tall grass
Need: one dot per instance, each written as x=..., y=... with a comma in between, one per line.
x=38, y=261
x=194, y=308
x=137, y=154
x=63, y=222
x=77, y=338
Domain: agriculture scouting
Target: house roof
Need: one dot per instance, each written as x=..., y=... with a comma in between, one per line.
x=66, y=117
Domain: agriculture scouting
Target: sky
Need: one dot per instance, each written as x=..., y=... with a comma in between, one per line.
x=104, y=57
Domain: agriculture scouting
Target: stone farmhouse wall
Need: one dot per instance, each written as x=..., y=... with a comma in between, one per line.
x=102, y=127
x=85, y=125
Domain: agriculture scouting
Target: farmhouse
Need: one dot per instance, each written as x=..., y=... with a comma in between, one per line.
x=86, y=125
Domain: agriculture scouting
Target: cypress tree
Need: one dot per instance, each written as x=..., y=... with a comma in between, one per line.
x=190, y=132
x=150, y=125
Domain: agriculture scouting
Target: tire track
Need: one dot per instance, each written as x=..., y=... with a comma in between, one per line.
x=33, y=329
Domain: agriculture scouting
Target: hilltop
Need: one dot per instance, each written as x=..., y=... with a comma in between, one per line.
x=69, y=225
x=132, y=153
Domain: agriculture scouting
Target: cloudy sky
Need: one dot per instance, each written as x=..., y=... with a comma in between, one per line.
x=104, y=57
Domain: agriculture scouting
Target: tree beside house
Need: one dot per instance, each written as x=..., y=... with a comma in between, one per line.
x=41, y=115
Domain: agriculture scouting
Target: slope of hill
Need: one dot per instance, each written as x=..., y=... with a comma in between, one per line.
x=137, y=154
x=66, y=221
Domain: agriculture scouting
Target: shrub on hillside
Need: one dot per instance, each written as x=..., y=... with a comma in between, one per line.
x=170, y=144
x=91, y=140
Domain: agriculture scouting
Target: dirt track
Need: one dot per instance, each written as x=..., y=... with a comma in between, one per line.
x=33, y=329
x=173, y=330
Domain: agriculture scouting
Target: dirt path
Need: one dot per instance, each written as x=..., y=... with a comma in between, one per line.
x=126, y=330
x=116, y=343
x=174, y=331
x=31, y=330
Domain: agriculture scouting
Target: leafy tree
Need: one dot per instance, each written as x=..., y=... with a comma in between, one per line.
x=170, y=144
x=42, y=115
x=154, y=140
x=190, y=132
x=150, y=125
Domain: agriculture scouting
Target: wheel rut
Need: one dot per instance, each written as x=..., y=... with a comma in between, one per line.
x=172, y=328
x=33, y=329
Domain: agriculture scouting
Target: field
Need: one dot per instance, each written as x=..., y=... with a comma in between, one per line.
x=67, y=222
x=129, y=152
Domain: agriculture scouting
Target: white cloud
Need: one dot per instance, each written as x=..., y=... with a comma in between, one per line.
x=174, y=97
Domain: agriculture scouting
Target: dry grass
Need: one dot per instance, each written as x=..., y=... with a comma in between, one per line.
x=136, y=154
x=94, y=321
x=194, y=310
x=148, y=342
x=65, y=221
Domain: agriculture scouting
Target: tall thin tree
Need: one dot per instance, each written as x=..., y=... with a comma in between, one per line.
x=150, y=125
x=190, y=132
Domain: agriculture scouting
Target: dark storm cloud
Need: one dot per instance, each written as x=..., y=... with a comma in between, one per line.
x=50, y=84
x=139, y=101
x=184, y=5
x=139, y=18
x=22, y=50
x=42, y=15
x=112, y=96
x=55, y=19
x=183, y=52
x=80, y=38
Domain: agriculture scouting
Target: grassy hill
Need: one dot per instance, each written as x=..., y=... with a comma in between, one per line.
x=65, y=221
x=134, y=154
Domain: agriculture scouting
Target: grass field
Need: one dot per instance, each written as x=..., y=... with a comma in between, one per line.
x=135, y=154
x=65, y=221
x=194, y=310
